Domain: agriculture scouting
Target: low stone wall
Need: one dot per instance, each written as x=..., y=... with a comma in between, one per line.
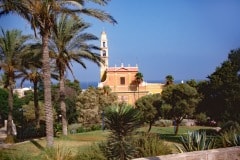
x=230, y=153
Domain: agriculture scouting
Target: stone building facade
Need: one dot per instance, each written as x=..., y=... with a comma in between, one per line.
x=121, y=79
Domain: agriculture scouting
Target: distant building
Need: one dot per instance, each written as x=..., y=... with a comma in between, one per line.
x=21, y=91
x=121, y=79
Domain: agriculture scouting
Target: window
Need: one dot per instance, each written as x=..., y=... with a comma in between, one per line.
x=122, y=80
x=104, y=53
x=104, y=44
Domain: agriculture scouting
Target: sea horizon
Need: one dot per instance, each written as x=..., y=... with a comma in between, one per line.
x=87, y=84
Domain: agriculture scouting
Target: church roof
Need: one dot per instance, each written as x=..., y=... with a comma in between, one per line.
x=122, y=69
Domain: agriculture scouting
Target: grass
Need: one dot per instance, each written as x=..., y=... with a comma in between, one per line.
x=82, y=141
x=73, y=142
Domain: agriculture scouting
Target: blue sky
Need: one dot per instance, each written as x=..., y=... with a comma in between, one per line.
x=187, y=39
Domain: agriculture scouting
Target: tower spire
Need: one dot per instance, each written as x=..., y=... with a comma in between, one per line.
x=103, y=54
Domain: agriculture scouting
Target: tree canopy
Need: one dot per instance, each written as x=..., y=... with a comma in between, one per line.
x=221, y=93
x=183, y=100
x=149, y=106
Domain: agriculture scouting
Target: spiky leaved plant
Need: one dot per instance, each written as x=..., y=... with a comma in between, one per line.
x=122, y=121
x=196, y=141
x=230, y=138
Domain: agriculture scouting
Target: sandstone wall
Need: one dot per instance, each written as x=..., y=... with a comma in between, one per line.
x=231, y=153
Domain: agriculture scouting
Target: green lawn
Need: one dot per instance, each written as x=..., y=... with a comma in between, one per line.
x=79, y=142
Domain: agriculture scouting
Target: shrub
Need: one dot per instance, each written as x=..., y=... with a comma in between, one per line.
x=59, y=153
x=163, y=123
x=230, y=125
x=73, y=127
x=201, y=118
x=230, y=138
x=30, y=131
x=95, y=151
x=78, y=128
x=150, y=145
x=11, y=155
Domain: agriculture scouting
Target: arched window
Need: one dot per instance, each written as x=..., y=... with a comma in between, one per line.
x=104, y=53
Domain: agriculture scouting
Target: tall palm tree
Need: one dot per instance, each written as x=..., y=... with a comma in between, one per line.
x=30, y=70
x=41, y=15
x=68, y=44
x=12, y=44
x=138, y=80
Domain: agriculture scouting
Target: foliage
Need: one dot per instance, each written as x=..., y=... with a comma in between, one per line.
x=201, y=118
x=81, y=129
x=149, y=106
x=149, y=145
x=165, y=111
x=230, y=125
x=74, y=85
x=69, y=44
x=195, y=141
x=209, y=131
x=59, y=153
x=3, y=105
x=163, y=123
x=95, y=151
x=183, y=100
x=71, y=90
x=41, y=16
x=122, y=121
x=6, y=155
x=230, y=134
x=92, y=102
x=29, y=131
x=169, y=80
x=138, y=80
x=230, y=138
x=192, y=83
x=222, y=90
x=12, y=45
x=28, y=111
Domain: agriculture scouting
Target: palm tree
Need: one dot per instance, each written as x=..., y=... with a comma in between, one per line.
x=30, y=70
x=41, y=15
x=169, y=80
x=68, y=44
x=138, y=80
x=12, y=45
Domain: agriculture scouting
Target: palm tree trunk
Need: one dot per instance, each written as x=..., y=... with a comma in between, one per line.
x=36, y=105
x=10, y=104
x=47, y=90
x=63, y=105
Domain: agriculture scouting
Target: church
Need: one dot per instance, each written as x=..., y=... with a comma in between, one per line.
x=121, y=79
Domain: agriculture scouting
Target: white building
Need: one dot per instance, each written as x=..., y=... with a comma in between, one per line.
x=20, y=91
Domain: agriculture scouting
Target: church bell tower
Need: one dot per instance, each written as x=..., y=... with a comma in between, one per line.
x=104, y=56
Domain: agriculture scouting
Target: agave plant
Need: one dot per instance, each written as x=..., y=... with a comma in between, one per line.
x=196, y=141
x=230, y=138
